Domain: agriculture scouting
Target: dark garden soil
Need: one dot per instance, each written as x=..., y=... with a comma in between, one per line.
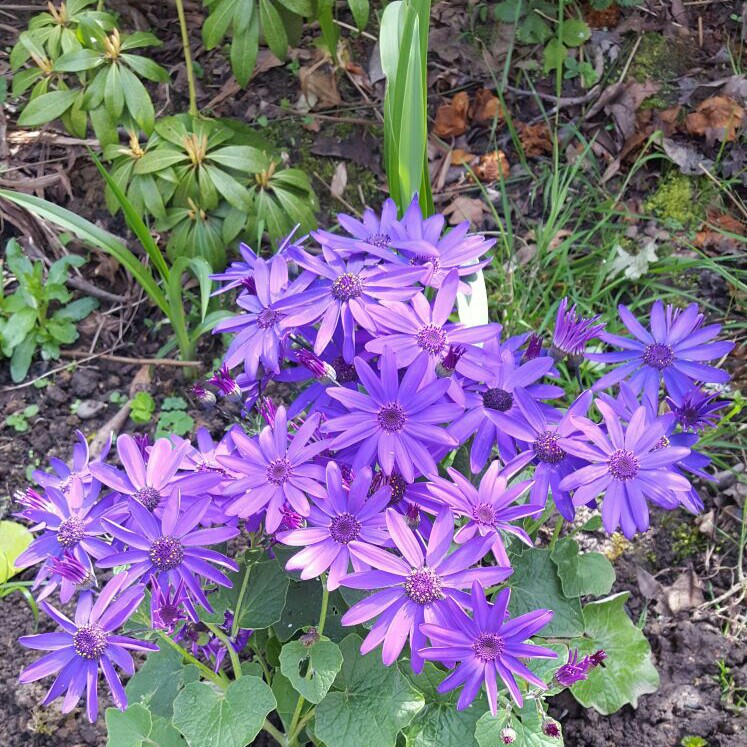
x=698, y=650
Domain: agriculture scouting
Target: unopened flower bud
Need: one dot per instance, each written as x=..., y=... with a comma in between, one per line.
x=597, y=658
x=551, y=728
x=508, y=735
x=534, y=348
x=309, y=638
x=449, y=363
x=205, y=397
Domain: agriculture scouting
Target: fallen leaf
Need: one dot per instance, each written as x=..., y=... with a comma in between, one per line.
x=465, y=208
x=621, y=101
x=712, y=234
x=689, y=159
x=459, y=157
x=716, y=118
x=647, y=584
x=339, y=180
x=486, y=108
x=491, y=166
x=318, y=87
x=684, y=594
x=606, y=18
x=536, y=139
x=451, y=118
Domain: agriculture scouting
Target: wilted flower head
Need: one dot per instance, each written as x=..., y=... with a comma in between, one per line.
x=508, y=735
x=551, y=728
x=572, y=332
x=573, y=670
x=224, y=382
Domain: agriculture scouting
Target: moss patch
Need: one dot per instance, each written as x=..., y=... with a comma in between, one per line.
x=675, y=202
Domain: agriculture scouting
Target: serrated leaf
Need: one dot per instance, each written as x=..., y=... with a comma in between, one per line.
x=628, y=672
x=210, y=717
x=46, y=107
x=376, y=702
x=584, y=574
x=322, y=661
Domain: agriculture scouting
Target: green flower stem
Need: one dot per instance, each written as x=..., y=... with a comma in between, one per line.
x=240, y=601
x=207, y=673
x=296, y=724
x=556, y=532
x=277, y=735
x=187, y=59
x=223, y=638
x=258, y=656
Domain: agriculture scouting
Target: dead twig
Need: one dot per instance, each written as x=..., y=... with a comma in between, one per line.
x=82, y=355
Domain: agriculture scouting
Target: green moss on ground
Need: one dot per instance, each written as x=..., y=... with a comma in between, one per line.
x=676, y=202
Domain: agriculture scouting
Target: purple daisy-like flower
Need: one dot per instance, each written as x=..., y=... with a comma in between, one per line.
x=488, y=509
x=64, y=475
x=490, y=411
x=394, y=420
x=168, y=606
x=417, y=327
x=673, y=350
x=370, y=236
x=85, y=645
x=624, y=468
x=488, y=646
x=572, y=332
x=172, y=550
x=336, y=525
x=414, y=588
x=343, y=295
x=276, y=470
x=551, y=462
x=573, y=670
x=150, y=480
x=226, y=385
x=259, y=334
x=695, y=410
x=422, y=244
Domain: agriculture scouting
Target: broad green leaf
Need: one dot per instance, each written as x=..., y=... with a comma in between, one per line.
x=46, y=107
x=14, y=539
x=582, y=574
x=75, y=62
x=20, y=324
x=360, y=10
x=303, y=604
x=24, y=79
x=440, y=723
x=371, y=703
x=508, y=11
x=319, y=663
x=114, y=99
x=138, y=727
x=61, y=330
x=139, y=39
x=273, y=29
x=229, y=187
x=202, y=270
x=241, y=158
x=286, y=698
x=157, y=682
x=535, y=585
x=217, y=23
x=575, y=32
x=555, y=54
x=138, y=100
x=158, y=159
x=526, y=723
x=300, y=7
x=628, y=671
x=146, y=68
x=244, y=48
x=21, y=358
x=210, y=717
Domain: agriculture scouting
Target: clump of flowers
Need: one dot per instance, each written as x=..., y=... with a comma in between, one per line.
x=407, y=459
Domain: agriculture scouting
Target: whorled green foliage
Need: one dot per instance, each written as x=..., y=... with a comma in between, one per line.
x=39, y=315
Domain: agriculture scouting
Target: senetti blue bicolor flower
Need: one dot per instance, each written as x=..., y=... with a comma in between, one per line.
x=625, y=468
x=673, y=350
x=87, y=644
x=335, y=526
x=489, y=647
x=63, y=475
x=396, y=421
x=695, y=410
x=414, y=588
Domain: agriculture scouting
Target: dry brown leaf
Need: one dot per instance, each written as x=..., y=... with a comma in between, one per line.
x=318, y=87
x=486, y=108
x=684, y=594
x=465, y=208
x=339, y=180
x=621, y=101
x=460, y=156
x=711, y=234
x=607, y=18
x=451, y=118
x=716, y=118
x=536, y=139
x=491, y=166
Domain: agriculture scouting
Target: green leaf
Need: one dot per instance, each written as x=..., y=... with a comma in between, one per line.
x=440, y=723
x=139, y=39
x=319, y=663
x=286, y=698
x=114, y=100
x=303, y=604
x=374, y=704
x=575, y=32
x=300, y=7
x=158, y=159
x=360, y=10
x=62, y=331
x=244, y=48
x=555, y=54
x=75, y=62
x=628, y=671
x=138, y=727
x=527, y=725
x=14, y=539
x=210, y=717
x=157, y=682
x=19, y=326
x=241, y=158
x=231, y=189
x=582, y=574
x=217, y=23
x=535, y=585
x=138, y=100
x=273, y=29
x=146, y=68
x=508, y=11
x=21, y=358
x=46, y=107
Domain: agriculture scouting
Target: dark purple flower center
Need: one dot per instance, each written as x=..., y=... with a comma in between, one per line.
x=398, y=484
x=344, y=372
x=662, y=443
x=169, y=615
x=149, y=497
x=344, y=528
x=546, y=448
x=425, y=259
x=71, y=531
x=249, y=285
x=484, y=513
x=279, y=471
x=497, y=399
x=166, y=553
x=551, y=729
x=89, y=641
x=267, y=318
x=424, y=586
x=392, y=418
x=380, y=240
x=432, y=339
x=347, y=286
x=657, y=355
x=623, y=465
x=488, y=647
